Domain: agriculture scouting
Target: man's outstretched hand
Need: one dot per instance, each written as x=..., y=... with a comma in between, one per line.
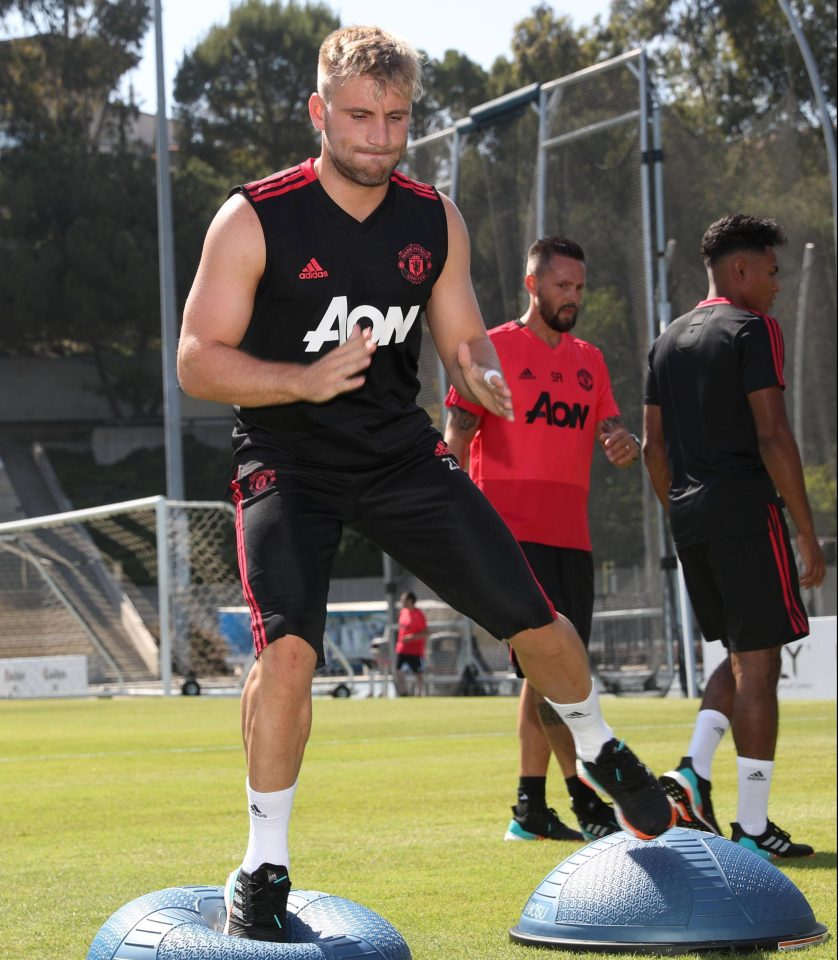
x=486, y=384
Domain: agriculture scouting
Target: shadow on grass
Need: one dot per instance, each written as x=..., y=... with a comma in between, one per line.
x=820, y=861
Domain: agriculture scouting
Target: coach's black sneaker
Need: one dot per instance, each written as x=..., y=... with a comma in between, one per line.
x=596, y=818
x=539, y=825
x=256, y=903
x=641, y=806
x=689, y=794
x=774, y=843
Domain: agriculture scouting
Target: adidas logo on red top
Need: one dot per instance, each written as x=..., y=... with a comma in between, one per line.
x=313, y=271
x=526, y=374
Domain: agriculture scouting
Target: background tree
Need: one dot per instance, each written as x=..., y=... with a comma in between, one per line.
x=726, y=63
x=453, y=85
x=243, y=92
x=78, y=191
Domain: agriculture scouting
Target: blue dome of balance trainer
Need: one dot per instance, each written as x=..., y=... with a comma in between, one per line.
x=686, y=889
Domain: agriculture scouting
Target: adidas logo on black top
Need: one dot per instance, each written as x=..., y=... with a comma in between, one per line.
x=526, y=374
x=313, y=271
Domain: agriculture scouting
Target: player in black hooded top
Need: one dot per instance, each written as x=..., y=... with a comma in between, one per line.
x=304, y=315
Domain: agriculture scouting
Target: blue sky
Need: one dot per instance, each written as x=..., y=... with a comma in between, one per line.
x=478, y=28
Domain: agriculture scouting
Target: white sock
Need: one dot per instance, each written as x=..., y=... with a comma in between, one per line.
x=269, y=815
x=585, y=722
x=754, y=787
x=710, y=727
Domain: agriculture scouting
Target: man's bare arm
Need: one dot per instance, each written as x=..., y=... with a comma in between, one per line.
x=211, y=364
x=460, y=429
x=620, y=447
x=458, y=330
x=781, y=457
x=654, y=454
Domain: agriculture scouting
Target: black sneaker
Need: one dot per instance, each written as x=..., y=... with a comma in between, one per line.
x=256, y=903
x=689, y=794
x=596, y=818
x=640, y=804
x=539, y=825
x=773, y=844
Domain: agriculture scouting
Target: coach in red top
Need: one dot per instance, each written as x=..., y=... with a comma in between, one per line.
x=410, y=644
x=536, y=471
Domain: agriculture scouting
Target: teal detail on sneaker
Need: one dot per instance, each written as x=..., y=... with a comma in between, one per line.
x=749, y=844
x=516, y=832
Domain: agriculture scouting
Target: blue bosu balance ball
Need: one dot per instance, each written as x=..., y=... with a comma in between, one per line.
x=682, y=892
x=185, y=923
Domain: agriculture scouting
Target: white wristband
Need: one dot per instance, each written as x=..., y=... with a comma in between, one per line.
x=492, y=373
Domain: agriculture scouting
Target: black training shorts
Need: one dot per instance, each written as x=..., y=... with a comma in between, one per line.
x=410, y=661
x=422, y=510
x=567, y=577
x=744, y=590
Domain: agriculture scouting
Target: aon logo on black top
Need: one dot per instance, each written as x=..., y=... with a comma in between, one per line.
x=337, y=323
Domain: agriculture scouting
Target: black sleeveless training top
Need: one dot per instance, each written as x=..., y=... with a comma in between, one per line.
x=325, y=272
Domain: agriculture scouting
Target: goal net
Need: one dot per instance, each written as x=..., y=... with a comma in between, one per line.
x=136, y=587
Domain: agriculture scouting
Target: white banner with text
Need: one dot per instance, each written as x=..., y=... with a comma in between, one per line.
x=43, y=676
x=809, y=665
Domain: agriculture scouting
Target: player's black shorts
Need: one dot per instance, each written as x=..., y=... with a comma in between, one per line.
x=744, y=591
x=410, y=661
x=567, y=577
x=422, y=510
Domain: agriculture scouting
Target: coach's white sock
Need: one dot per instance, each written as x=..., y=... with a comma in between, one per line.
x=754, y=788
x=269, y=815
x=710, y=727
x=585, y=722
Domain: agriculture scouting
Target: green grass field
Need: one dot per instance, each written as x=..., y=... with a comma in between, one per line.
x=402, y=806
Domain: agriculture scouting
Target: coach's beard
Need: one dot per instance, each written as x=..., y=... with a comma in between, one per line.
x=564, y=319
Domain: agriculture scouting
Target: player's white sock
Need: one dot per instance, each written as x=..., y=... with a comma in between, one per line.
x=269, y=815
x=710, y=727
x=754, y=788
x=585, y=722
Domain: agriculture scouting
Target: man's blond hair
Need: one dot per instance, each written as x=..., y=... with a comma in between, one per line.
x=369, y=52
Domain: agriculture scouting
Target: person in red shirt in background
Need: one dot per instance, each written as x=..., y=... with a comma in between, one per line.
x=410, y=645
x=536, y=471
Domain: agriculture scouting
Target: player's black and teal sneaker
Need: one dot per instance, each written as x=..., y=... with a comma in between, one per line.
x=689, y=794
x=774, y=843
x=596, y=818
x=257, y=903
x=641, y=806
x=539, y=825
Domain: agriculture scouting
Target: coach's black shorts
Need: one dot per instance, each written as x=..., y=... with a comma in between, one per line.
x=422, y=510
x=745, y=591
x=567, y=577
x=410, y=661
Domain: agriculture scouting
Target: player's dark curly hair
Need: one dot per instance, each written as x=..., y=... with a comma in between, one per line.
x=539, y=253
x=739, y=232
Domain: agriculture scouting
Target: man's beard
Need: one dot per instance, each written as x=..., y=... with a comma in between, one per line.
x=356, y=173
x=561, y=322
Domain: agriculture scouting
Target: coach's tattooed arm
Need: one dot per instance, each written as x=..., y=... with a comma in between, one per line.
x=621, y=447
x=460, y=429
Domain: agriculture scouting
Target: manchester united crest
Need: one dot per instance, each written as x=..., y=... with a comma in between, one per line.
x=415, y=263
x=586, y=380
x=261, y=480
